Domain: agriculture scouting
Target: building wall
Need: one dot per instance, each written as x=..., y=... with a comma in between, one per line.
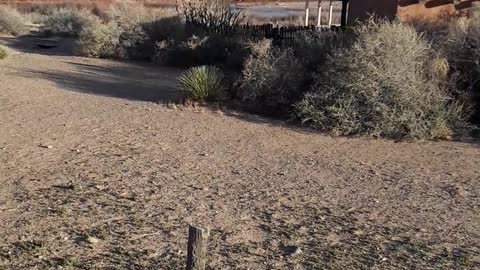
x=361, y=9
x=434, y=11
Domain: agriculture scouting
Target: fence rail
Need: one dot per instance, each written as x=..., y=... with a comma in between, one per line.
x=280, y=35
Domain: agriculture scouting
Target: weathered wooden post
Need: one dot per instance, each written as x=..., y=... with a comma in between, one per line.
x=319, y=13
x=330, y=14
x=197, y=247
x=306, y=12
x=345, y=7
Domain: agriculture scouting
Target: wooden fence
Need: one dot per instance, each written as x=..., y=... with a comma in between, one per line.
x=280, y=35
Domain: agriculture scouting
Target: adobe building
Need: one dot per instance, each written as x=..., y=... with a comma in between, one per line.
x=359, y=10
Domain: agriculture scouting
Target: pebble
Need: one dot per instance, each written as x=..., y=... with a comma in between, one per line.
x=47, y=146
x=93, y=240
x=297, y=251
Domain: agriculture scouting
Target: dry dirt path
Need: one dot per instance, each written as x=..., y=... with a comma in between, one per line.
x=125, y=176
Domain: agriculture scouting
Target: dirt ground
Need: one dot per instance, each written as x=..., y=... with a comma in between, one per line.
x=99, y=171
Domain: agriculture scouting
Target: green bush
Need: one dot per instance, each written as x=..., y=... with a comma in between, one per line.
x=99, y=40
x=11, y=21
x=3, y=53
x=462, y=47
x=383, y=86
x=69, y=21
x=204, y=83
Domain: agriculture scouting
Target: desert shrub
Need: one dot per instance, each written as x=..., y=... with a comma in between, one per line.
x=11, y=21
x=272, y=77
x=201, y=49
x=313, y=48
x=35, y=17
x=99, y=40
x=3, y=53
x=383, y=86
x=215, y=14
x=68, y=21
x=462, y=47
x=139, y=27
x=204, y=83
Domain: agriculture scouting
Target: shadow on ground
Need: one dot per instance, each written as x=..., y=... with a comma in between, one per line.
x=133, y=81
x=26, y=44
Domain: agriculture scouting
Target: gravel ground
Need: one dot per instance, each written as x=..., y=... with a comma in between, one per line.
x=98, y=171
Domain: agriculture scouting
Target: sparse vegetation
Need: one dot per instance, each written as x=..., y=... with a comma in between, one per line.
x=275, y=78
x=3, y=53
x=68, y=21
x=204, y=83
x=11, y=21
x=215, y=14
x=272, y=77
x=462, y=48
x=384, y=79
x=383, y=86
x=99, y=40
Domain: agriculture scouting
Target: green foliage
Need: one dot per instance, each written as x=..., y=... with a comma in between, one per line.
x=383, y=86
x=204, y=83
x=11, y=21
x=3, y=53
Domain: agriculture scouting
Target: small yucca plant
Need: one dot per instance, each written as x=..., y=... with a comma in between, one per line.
x=204, y=83
x=3, y=53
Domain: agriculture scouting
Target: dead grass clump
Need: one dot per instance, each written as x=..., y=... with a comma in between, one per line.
x=11, y=21
x=383, y=86
x=3, y=53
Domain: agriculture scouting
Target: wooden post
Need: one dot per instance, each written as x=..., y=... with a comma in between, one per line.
x=330, y=14
x=345, y=7
x=197, y=247
x=319, y=13
x=306, y=12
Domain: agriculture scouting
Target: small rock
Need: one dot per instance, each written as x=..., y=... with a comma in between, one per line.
x=93, y=240
x=296, y=251
x=46, y=146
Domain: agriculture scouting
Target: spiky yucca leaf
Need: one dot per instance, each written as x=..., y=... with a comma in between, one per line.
x=204, y=83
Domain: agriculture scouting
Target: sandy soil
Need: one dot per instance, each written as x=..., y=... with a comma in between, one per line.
x=96, y=173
